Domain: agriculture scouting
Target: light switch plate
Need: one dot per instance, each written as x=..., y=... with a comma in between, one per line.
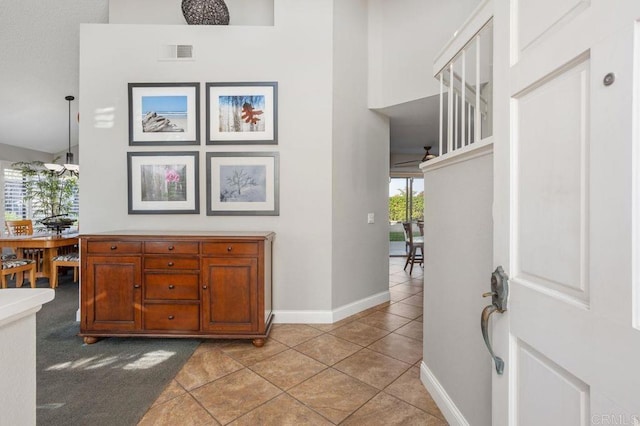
x=371, y=218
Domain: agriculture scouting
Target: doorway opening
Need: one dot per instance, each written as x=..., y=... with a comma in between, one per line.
x=406, y=204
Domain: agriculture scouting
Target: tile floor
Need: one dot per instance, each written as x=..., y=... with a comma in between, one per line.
x=363, y=370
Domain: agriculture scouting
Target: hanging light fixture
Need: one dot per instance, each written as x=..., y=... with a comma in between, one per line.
x=68, y=166
x=69, y=98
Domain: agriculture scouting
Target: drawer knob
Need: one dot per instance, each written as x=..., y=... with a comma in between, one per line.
x=170, y=263
x=136, y=286
x=229, y=248
x=171, y=286
x=171, y=248
x=171, y=317
x=114, y=247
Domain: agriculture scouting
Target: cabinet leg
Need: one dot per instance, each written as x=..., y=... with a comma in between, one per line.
x=90, y=340
x=258, y=343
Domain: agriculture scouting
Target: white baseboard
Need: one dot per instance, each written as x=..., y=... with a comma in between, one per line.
x=360, y=305
x=329, y=317
x=302, y=317
x=449, y=410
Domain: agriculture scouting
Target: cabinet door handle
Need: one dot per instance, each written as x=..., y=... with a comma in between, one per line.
x=171, y=317
x=114, y=247
x=229, y=248
x=170, y=263
x=204, y=287
x=171, y=286
x=136, y=286
x=171, y=248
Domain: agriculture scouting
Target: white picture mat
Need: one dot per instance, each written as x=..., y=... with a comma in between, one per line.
x=136, y=182
x=267, y=205
x=214, y=112
x=137, y=93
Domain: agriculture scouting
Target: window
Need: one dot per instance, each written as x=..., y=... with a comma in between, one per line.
x=15, y=205
x=14, y=192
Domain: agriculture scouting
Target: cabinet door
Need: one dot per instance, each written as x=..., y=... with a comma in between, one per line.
x=111, y=293
x=230, y=295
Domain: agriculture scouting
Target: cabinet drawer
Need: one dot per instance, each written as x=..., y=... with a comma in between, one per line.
x=171, y=247
x=171, y=317
x=171, y=286
x=114, y=247
x=231, y=248
x=171, y=262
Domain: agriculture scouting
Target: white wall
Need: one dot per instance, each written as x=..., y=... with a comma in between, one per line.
x=298, y=54
x=13, y=154
x=405, y=36
x=458, y=259
x=169, y=12
x=360, y=162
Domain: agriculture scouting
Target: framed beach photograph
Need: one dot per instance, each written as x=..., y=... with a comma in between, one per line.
x=242, y=113
x=243, y=183
x=163, y=182
x=164, y=113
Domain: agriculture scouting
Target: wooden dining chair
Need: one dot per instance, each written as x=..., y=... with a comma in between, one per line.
x=19, y=227
x=68, y=259
x=25, y=227
x=11, y=265
x=414, y=243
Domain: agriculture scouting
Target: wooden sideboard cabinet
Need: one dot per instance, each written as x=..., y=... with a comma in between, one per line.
x=176, y=284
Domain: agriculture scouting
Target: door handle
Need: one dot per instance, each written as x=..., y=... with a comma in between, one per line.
x=499, y=294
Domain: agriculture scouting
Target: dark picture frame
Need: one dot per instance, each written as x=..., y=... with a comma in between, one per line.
x=242, y=113
x=163, y=182
x=243, y=183
x=164, y=113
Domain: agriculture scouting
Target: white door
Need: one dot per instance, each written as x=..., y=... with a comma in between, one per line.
x=567, y=211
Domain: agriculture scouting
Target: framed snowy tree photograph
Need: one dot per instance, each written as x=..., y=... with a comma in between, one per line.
x=243, y=183
x=242, y=113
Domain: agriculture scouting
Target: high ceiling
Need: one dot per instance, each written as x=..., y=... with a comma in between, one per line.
x=39, y=67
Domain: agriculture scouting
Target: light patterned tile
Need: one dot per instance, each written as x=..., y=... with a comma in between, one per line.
x=372, y=368
x=384, y=320
x=414, y=330
x=404, y=310
x=288, y=368
x=183, y=410
x=328, y=349
x=205, y=365
x=244, y=352
x=282, y=411
x=235, y=395
x=333, y=394
x=416, y=300
x=293, y=334
x=359, y=333
x=399, y=347
x=385, y=410
x=409, y=388
x=172, y=390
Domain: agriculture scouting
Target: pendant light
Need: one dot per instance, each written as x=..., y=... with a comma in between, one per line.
x=69, y=98
x=69, y=167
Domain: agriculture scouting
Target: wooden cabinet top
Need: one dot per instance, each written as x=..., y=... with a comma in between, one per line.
x=137, y=234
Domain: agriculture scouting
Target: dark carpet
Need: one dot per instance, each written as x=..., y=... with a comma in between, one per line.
x=112, y=382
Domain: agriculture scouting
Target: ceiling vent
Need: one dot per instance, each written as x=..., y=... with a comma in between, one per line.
x=176, y=52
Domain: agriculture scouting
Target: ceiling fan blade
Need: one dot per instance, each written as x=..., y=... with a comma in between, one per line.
x=406, y=162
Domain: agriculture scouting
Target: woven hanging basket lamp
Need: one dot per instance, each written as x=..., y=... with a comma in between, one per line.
x=205, y=12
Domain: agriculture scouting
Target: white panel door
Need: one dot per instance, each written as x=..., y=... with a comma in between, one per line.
x=566, y=211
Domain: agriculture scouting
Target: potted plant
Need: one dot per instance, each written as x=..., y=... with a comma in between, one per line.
x=51, y=193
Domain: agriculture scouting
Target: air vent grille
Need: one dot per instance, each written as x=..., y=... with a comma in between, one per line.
x=176, y=52
x=184, y=51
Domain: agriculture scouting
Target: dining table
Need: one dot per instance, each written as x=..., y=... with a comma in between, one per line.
x=49, y=243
